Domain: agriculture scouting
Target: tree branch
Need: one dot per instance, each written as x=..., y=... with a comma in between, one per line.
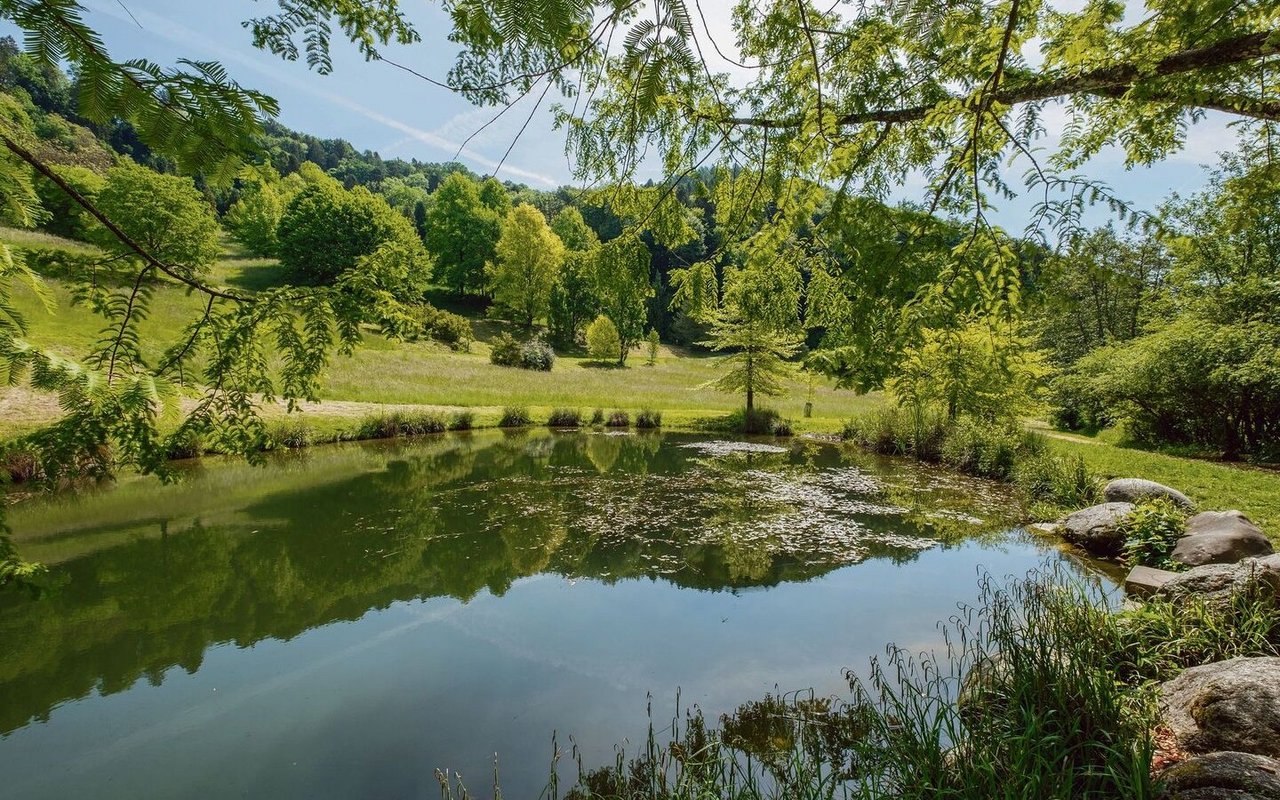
x=1113, y=81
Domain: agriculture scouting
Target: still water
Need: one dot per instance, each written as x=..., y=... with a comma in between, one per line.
x=344, y=620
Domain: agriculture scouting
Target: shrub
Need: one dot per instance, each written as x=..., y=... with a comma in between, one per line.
x=505, y=351
x=597, y=417
x=290, y=434
x=515, y=417
x=564, y=418
x=537, y=355
x=1075, y=404
x=648, y=418
x=651, y=345
x=618, y=419
x=452, y=330
x=1151, y=531
x=462, y=421
x=603, y=341
x=782, y=427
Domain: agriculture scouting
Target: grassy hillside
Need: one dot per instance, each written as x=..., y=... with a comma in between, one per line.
x=419, y=373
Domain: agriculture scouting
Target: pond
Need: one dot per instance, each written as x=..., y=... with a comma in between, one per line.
x=344, y=620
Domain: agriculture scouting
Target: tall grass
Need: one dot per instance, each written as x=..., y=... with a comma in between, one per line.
x=1001, y=450
x=1022, y=703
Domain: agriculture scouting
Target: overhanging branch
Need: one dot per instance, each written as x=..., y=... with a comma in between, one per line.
x=1112, y=81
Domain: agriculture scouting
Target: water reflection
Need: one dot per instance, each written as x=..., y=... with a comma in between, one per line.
x=156, y=577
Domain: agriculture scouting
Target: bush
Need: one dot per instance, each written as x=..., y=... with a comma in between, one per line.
x=462, y=421
x=648, y=418
x=401, y=423
x=782, y=427
x=603, y=341
x=618, y=419
x=515, y=417
x=290, y=434
x=452, y=330
x=564, y=418
x=597, y=417
x=537, y=355
x=1151, y=531
x=505, y=351
x=1076, y=406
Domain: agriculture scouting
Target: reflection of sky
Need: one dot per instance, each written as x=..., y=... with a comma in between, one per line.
x=370, y=708
x=377, y=107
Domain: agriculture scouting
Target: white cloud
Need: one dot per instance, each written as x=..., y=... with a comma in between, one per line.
x=180, y=34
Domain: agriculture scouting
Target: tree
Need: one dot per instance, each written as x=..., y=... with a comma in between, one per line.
x=254, y=219
x=573, y=298
x=65, y=216
x=758, y=324
x=622, y=287
x=461, y=233
x=653, y=342
x=983, y=367
x=603, y=342
x=165, y=214
x=528, y=262
x=326, y=229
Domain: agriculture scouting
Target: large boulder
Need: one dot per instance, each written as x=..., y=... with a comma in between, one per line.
x=1219, y=583
x=1242, y=776
x=1097, y=528
x=1135, y=490
x=1229, y=705
x=1220, y=537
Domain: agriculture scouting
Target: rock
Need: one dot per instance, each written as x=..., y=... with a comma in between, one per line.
x=1096, y=528
x=1220, y=537
x=1044, y=527
x=1135, y=490
x=1226, y=774
x=984, y=688
x=1143, y=582
x=1219, y=583
x=1229, y=705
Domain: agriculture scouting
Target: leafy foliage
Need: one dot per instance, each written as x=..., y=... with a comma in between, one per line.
x=462, y=233
x=326, y=229
x=1151, y=531
x=529, y=255
x=165, y=214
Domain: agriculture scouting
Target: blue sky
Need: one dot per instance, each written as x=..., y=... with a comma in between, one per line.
x=377, y=107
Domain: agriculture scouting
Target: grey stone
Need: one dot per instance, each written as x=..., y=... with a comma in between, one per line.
x=1143, y=582
x=1230, y=705
x=1096, y=528
x=1135, y=490
x=1044, y=527
x=1219, y=583
x=1220, y=537
x=1224, y=774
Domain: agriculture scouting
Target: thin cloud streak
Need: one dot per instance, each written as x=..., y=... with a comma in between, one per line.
x=177, y=33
